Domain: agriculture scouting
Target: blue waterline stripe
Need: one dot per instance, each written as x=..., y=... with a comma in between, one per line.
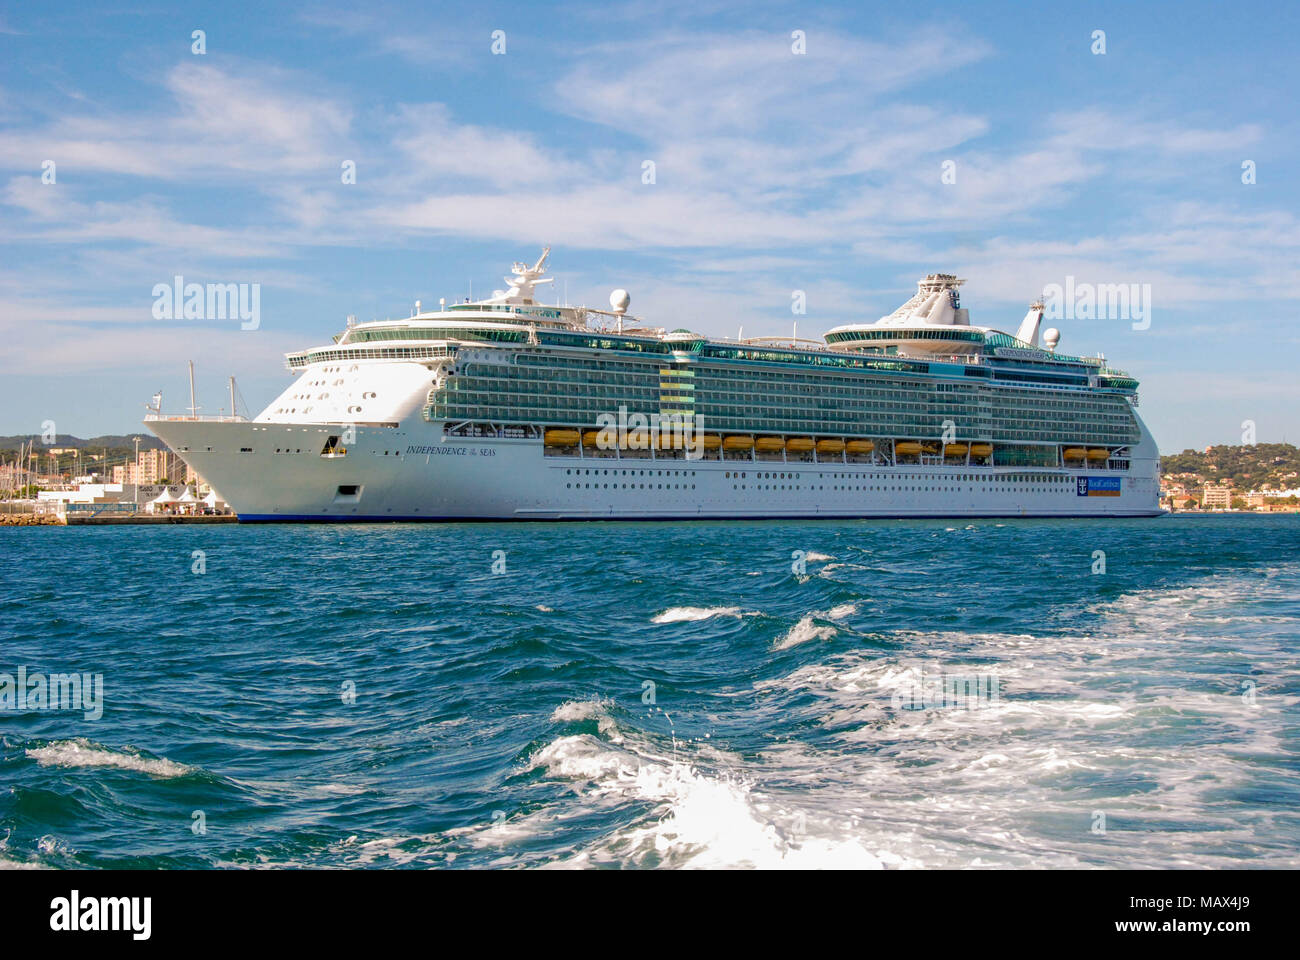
x=327, y=518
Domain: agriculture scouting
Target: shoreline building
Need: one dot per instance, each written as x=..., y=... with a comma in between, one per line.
x=1216, y=497
x=151, y=466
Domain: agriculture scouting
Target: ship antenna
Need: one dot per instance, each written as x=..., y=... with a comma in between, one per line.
x=193, y=406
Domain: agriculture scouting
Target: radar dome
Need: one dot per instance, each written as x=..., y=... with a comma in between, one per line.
x=1051, y=337
x=619, y=300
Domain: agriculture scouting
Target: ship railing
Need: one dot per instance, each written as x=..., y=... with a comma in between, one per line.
x=150, y=417
x=966, y=358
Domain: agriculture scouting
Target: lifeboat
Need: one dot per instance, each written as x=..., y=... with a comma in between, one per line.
x=769, y=444
x=837, y=446
x=907, y=448
x=636, y=440
x=711, y=441
x=737, y=443
x=858, y=447
x=685, y=440
x=1075, y=453
x=591, y=439
x=799, y=444
x=930, y=447
x=981, y=449
x=561, y=438
x=1098, y=453
x=954, y=449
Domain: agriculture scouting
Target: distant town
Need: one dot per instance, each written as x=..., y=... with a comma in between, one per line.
x=27, y=462
x=1263, y=478
x=100, y=480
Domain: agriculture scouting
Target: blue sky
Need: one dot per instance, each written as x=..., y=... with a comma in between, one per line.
x=774, y=172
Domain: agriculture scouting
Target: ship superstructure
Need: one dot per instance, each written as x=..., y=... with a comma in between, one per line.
x=507, y=408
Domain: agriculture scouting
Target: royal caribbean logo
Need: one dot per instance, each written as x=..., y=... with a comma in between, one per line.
x=1098, y=487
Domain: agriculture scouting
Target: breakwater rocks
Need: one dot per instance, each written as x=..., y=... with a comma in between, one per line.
x=28, y=520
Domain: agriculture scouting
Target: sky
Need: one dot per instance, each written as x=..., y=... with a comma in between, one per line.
x=842, y=150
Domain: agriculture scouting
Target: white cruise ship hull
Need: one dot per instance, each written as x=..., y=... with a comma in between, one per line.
x=271, y=472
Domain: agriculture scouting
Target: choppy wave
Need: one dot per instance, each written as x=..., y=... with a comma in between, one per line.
x=83, y=753
x=332, y=714
x=691, y=614
x=698, y=819
x=802, y=632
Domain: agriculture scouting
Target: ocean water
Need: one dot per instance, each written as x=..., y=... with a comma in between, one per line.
x=658, y=695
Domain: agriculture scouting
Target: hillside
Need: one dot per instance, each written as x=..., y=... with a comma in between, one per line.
x=1274, y=464
x=119, y=442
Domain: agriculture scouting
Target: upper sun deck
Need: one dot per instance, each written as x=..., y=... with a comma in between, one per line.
x=930, y=328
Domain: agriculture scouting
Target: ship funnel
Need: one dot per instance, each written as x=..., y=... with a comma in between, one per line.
x=1028, y=332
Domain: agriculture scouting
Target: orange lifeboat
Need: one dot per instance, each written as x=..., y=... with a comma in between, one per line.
x=636, y=440
x=561, y=438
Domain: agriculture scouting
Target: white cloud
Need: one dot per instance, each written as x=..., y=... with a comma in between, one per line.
x=605, y=217
x=1097, y=129
x=58, y=217
x=693, y=84
x=394, y=33
x=220, y=122
x=54, y=337
x=774, y=171
x=440, y=153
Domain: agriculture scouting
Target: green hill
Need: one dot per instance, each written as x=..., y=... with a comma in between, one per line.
x=1275, y=464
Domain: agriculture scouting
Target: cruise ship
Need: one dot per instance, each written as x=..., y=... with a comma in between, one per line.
x=510, y=409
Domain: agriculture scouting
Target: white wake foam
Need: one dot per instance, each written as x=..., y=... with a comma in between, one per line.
x=82, y=753
x=698, y=820
x=573, y=711
x=687, y=614
x=802, y=632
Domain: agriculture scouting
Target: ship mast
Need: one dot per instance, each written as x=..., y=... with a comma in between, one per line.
x=193, y=407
